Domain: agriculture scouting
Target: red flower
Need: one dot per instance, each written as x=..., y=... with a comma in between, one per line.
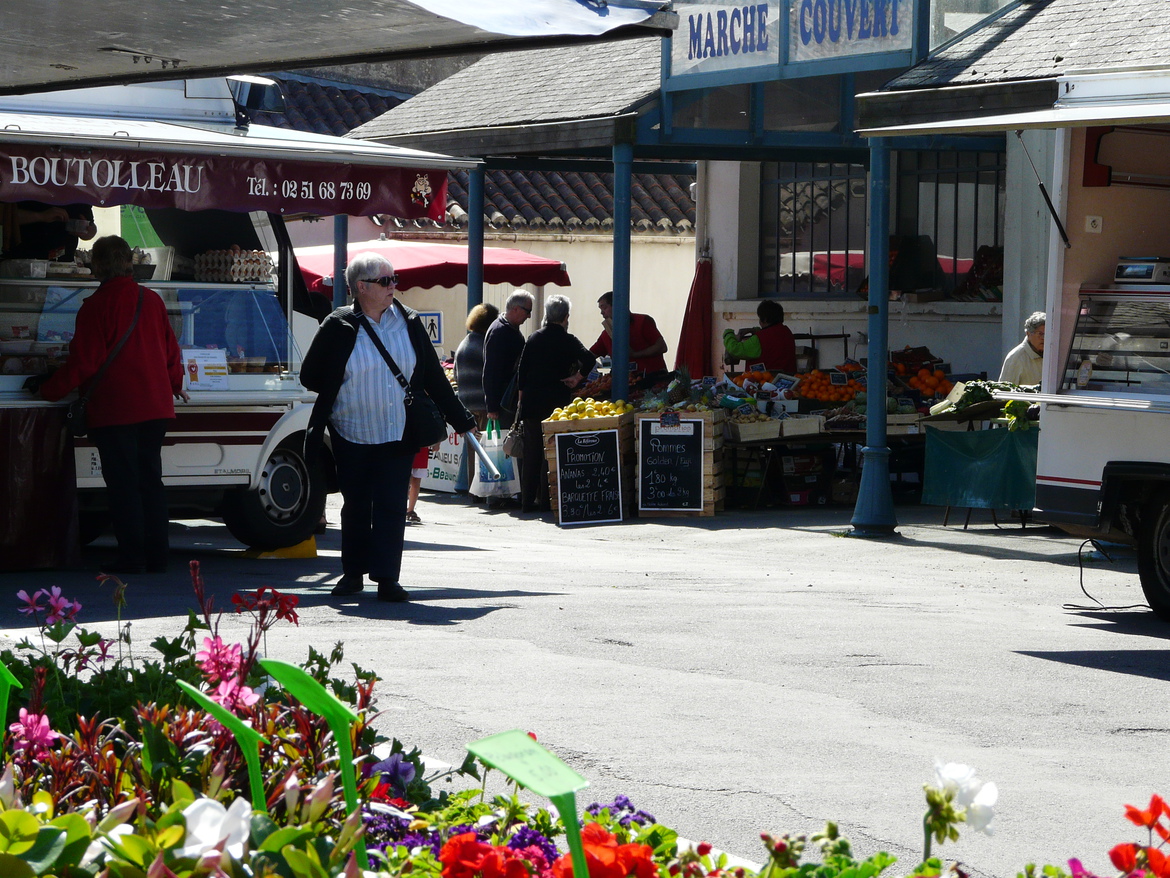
x=464, y=856
x=605, y=858
x=1149, y=817
x=702, y=849
x=1157, y=863
x=1124, y=857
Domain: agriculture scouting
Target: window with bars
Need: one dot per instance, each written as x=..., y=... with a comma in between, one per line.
x=946, y=226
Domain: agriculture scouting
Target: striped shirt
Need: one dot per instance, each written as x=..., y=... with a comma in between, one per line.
x=369, y=409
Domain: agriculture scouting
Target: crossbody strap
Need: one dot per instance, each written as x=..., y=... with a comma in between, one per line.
x=389, y=360
x=117, y=348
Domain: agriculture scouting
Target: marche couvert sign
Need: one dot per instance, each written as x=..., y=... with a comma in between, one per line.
x=717, y=36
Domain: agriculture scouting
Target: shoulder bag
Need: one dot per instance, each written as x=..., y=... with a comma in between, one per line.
x=424, y=422
x=514, y=441
x=76, y=416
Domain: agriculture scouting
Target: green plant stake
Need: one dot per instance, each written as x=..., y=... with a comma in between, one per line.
x=247, y=737
x=340, y=719
x=7, y=681
x=533, y=767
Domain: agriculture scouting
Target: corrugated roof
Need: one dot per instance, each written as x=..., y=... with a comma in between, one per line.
x=519, y=88
x=529, y=200
x=1040, y=39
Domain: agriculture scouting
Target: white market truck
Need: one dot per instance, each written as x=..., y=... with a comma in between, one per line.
x=216, y=191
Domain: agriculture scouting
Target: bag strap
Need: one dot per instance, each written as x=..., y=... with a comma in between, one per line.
x=117, y=348
x=389, y=360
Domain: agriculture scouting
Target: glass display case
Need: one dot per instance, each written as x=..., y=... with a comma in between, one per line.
x=244, y=321
x=1121, y=343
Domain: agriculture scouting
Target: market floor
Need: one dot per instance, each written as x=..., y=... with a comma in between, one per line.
x=756, y=671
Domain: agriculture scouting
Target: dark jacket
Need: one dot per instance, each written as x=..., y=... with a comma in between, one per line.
x=501, y=350
x=323, y=371
x=550, y=354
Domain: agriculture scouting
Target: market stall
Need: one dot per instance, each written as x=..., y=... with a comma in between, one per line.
x=216, y=192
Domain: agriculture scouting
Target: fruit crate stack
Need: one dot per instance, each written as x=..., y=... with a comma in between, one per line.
x=713, y=485
x=623, y=423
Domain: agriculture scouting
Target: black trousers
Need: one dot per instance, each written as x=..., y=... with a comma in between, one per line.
x=534, y=469
x=131, y=456
x=373, y=480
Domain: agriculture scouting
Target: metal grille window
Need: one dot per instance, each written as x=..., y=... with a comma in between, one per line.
x=812, y=228
x=950, y=206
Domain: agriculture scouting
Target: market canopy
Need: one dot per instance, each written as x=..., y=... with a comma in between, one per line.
x=420, y=264
x=112, y=161
x=45, y=47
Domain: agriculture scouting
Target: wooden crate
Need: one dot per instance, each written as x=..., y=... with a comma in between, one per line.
x=713, y=488
x=754, y=431
x=802, y=425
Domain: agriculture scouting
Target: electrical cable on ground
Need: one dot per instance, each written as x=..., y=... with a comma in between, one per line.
x=1081, y=564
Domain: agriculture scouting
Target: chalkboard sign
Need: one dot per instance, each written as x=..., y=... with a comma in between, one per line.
x=670, y=462
x=589, y=477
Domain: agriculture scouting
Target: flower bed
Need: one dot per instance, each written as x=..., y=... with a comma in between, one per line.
x=112, y=768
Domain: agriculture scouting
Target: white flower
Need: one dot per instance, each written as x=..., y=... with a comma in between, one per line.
x=957, y=779
x=102, y=844
x=982, y=809
x=212, y=826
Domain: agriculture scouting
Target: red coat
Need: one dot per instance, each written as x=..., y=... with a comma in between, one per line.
x=141, y=382
x=643, y=333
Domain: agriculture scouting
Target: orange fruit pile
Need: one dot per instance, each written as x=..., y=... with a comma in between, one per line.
x=931, y=383
x=817, y=385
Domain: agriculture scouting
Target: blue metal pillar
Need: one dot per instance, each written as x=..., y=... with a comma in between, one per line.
x=623, y=165
x=340, y=258
x=475, y=189
x=874, y=512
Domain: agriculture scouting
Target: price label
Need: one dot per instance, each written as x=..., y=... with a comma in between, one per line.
x=670, y=419
x=757, y=367
x=709, y=381
x=765, y=394
x=862, y=379
x=838, y=379
x=746, y=409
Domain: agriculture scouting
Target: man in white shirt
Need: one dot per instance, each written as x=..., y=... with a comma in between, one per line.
x=1023, y=363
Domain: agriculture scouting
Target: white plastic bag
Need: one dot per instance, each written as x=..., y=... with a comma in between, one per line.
x=484, y=484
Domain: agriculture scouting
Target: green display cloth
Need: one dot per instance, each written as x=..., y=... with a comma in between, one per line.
x=981, y=469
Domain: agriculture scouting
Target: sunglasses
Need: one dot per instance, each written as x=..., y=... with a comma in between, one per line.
x=391, y=281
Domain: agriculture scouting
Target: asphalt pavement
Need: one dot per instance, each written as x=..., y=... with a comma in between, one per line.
x=760, y=670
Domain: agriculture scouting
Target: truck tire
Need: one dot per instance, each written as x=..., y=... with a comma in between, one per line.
x=1154, y=555
x=285, y=507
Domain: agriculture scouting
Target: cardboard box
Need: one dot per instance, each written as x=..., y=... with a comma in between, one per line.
x=801, y=463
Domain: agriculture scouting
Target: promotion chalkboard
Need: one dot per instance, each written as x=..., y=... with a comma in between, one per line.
x=589, y=477
x=670, y=462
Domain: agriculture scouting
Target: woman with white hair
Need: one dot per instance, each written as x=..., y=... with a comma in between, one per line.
x=365, y=403
x=1023, y=363
x=552, y=364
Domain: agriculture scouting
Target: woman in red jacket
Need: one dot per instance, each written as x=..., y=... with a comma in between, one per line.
x=130, y=407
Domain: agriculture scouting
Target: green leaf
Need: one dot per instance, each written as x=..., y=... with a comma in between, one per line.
x=88, y=638
x=303, y=865
x=59, y=631
x=181, y=793
x=18, y=831
x=50, y=844
x=262, y=827
x=78, y=835
x=15, y=867
x=290, y=835
x=134, y=848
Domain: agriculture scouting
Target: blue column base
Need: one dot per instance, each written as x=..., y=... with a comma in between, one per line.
x=873, y=516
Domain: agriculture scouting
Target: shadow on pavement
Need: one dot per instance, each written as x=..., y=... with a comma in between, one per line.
x=1151, y=663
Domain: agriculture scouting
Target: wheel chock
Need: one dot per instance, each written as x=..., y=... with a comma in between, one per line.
x=307, y=549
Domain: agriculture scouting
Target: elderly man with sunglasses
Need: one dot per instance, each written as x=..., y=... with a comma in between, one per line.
x=363, y=404
x=501, y=352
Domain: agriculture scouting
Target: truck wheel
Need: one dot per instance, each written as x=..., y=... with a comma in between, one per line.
x=1154, y=555
x=284, y=508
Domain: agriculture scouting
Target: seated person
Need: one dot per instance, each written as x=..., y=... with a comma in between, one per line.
x=646, y=343
x=771, y=343
x=47, y=232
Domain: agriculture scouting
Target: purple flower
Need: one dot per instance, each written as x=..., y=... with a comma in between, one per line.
x=622, y=810
x=526, y=836
x=395, y=771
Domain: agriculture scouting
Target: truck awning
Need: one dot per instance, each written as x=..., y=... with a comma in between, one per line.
x=1053, y=117
x=107, y=162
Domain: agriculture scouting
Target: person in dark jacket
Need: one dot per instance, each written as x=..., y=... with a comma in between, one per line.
x=501, y=352
x=469, y=361
x=130, y=407
x=363, y=406
x=552, y=365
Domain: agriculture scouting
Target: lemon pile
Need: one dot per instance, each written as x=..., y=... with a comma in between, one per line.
x=580, y=409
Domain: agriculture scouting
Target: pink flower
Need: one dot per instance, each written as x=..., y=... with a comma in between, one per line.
x=31, y=605
x=232, y=695
x=218, y=661
x=60, y=607
x=31, y=733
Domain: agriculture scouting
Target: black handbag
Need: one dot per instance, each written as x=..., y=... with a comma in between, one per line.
x=425, y=424
x=76, y=416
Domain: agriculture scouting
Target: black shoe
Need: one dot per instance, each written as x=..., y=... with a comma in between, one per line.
x=392, y=592
x=350, y=583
